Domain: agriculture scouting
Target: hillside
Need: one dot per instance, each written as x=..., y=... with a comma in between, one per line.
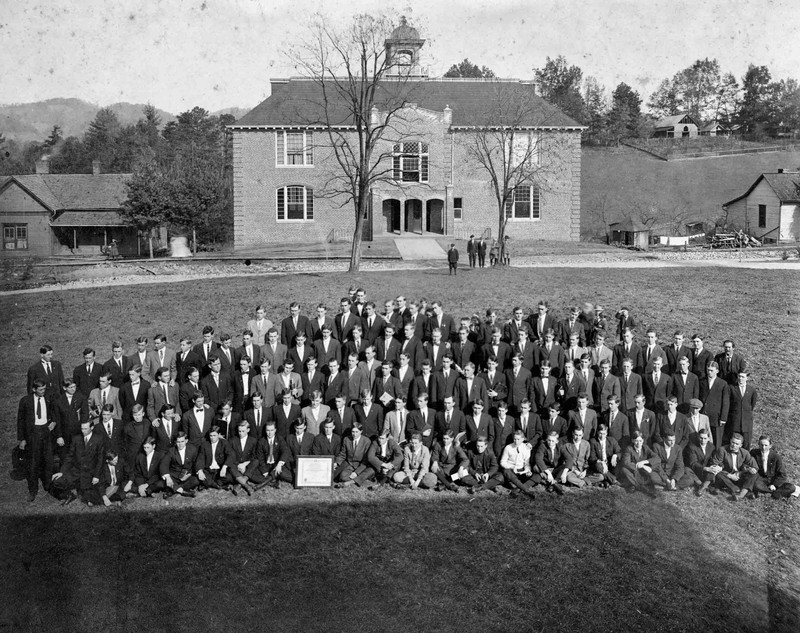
x=619, y=179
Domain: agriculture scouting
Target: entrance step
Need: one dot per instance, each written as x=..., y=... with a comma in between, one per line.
x=419, y=248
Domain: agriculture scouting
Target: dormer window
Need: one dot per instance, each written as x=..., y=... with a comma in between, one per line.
x=410, y=161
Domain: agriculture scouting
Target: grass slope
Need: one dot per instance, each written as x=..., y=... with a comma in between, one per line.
x=360, y=561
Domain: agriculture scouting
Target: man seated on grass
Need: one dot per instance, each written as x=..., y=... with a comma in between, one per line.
x=178, y=468
x=212, y=469
x=448, y=460
x=605, y=455
x=243, y=460
x=328, y=442
x=574, y=467
x=271, y=452
x=351, y=464
x=698, y=457
x=116, y=481
x=771, y=477
x=670, y=468
x=546, y=461
x=516, y=464
x=416, y=465
x=483, y=472
x=146, y=475
x=299, y=443
x=638, y=463
x=738, y=468
x=385, y=458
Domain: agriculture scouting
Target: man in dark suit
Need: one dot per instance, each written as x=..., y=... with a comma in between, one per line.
x=421, y=420
x=118, y=365
x=731, y=364
x=512, y=328
x=624, y=321
x=217, y=386
x=450, y=418
x=518, y=380
x=715, y=396
x=529, y=423
x=496, y=385
x=226, y=419
x=371, y=323
x=71, y=409
x=673, y=421
x=369, y=415
x=320, y=321
x=178, y=468
x=442, y=321
x=212, y=460
x=478, y=424
x=699, y=357
x=386, y=386
x=342, y=415
x=698, y=459
x=352, y=465
x=469, y=388
x=616, y=422
x=742, y=399
x=166, y=427
x=657, y=386
x=503, y=426
x=206, y=349
x=242, y=379
x=553, y=422
x=328, y=442
x=642, y=420
x=570, y=385
x=387, y=347
x=197, y=421
x=190, y=388
x=583, y=418
x=605, y=456
x=463, y=350
x=299, y=442
x=630, y=386
x=345, y=320
x=541, y=321
x=142, y=357
x=36, y=422
x=482, y=252
x=273, y=350
x=146, y=475
x=326, y=347
x=572, y=325
x=472, y=251
x=109, y=430
x=293, y=324
x=185, y=359
x=80, y=472
x=685, y=385
x=638, y=466
x=605, y=385
x=675, y=351
x=452, y=259
x=48, y=371
x=161, y=357
x=87, y=374
x=545, y=463
x=162, y=392
x=272, y=452
x=243, y=464
x=628, y=348
x=670, y=467
x=257, y=417
x=737, y=468
x=135, y=391
x=771, y=476
x=226, y=354
x=526, y=347
x=283, y=413
x=134, y=434
x=255, y=353
x=435, y=349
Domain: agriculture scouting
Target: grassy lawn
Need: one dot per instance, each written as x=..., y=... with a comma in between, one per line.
x=351, y=560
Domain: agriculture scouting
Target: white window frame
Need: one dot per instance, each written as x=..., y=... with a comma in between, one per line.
x=282, y=199
x=282, y=144
x=15, y=237
x=458, y=210
x=401, y=157
x=534, y=202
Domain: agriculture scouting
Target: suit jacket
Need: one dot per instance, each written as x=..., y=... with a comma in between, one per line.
x=84, y=459
x=672, y=356
x=259, y=332
x=134, y=436
x=144, y=475
x=69, y=416
x=533, y=430
x=559, y=425
x=324, y=446
x=176, y=467
x=435, y=355
x=697, y=458
x=451, y=459
x=603, y=388
x=256, y=355
x=240, y=402
x=387, y=350
x=256, y=430
x=298, y=446
x=53, y=381
x=96, y=403
x=576, y=457
x=338, y=385
x=371, y=333
x=740, y=412
x=122, y=474
x=228, y=365
x=136, y=359
x=356, y=383
x=571, y=388
x=155, y=363
x=445, y=323
x=647, y=427
x=416, y=354
x=543, y=398
x=118, y=376
x=464, y=353
x=649, y=356
x=458, y=422
x=729, y=369
x=289, y=330
x=482, y=463
x=519, y=387
x=655, y=395
x=372, y=422
x=618, y=427
x=635, y=354
x=511, y=331
x=723, y=457
x=417, y=424
x=702, y=423
x=127, y=401
x=293, y=381
x=165, y=441
x=546, y=458
x=549, y=323
x=597, y=356
x=200, y=351
x=186, y=394
x=555, y=355
x=228, y=427
x=496, y=383
x=182, y=365
x=334, y=351
x=406, y=380
x=630, y=457
x=503, y=433
x=503, y=354
x=238, y=455
x=588, y=382
x=343, y=329
x=529, y=353
x=434, y=388
x=698, y=362
x=113, y=442
x=672, y=467
x=397, y=426
x=449, y=384
x=385, y=385
x=354, y=454
x=279, y=449
x=685, y=392
x=209, y=454
x=267, y=388
x=629, y=388
x=715, y=399
x=195, y=432
x=465, y=397
x=314, y=422
x=276, y=357
x=420, y=324
x=476, y=428
x=300, y=358
x=87, y=381
x=343, y=422
x=26, y=416
x=311, y=384
x=282, y=421
x=589, y=424
x=568, y=328
x=774, y=472
x=612, y=448
x=157, y=399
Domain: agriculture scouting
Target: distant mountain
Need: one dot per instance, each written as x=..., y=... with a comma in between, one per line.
x=236, y=112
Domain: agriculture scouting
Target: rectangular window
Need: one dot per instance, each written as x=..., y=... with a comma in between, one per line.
x=15, y=237
x=410, y=162
x=762, y=216
x=294, y=149
x=524, y=203
x=295, y=204
x=458, y=209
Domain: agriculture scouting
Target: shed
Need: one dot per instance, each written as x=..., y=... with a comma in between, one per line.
x=630, y=233
x=676, y=126
x=770, y=209
x=714, y=128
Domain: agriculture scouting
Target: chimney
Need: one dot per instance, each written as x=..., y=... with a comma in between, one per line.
x=448, y=115
x=95, y=167
x=43, y=165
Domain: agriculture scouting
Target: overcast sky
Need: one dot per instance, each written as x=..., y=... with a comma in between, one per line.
x=221, y=53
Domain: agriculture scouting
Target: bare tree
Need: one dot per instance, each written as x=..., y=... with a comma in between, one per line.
x=513, y=151
x=358, y=103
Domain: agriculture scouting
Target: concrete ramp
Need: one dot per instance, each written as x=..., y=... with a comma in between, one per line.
x=420, y=248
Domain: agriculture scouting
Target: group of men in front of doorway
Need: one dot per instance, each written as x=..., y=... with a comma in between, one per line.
x=406, y=396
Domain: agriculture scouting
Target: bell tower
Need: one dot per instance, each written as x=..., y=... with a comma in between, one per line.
x=402, y=50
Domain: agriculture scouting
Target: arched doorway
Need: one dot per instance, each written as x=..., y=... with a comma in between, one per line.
x=434, y=216
x=685, y=131
x=413, y=216
x=391, y=211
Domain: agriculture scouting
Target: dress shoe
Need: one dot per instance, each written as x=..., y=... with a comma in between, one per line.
x=168, y=494
x=260, y=486
x=188, y=493
x=72, y=496
x=530, y=494
x=233, y=491
x=453, y=488
x=246, y=488
x=559, y=489
x=31, y=497
x=276, y=484
x=702, y=489
x=514, y=494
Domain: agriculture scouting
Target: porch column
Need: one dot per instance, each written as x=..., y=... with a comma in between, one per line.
x=448, y=225
x=74, y=239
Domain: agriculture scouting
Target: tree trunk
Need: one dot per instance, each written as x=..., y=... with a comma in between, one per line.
x=501, y=234
x=355, y=253
x=150, y=242
x=194, y=241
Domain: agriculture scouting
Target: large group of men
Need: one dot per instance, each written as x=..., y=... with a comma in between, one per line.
x=407, y=397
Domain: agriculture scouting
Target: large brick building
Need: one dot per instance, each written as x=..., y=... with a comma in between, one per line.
x=284, y=168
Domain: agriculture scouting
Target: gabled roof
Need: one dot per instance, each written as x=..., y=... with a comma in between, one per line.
x=713, y=125
x=786, y=186
x=672, y=121
x=628, y=226
x=474, y=103
x=74, y=192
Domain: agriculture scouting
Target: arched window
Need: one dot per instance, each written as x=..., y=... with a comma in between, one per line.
x=295, y=204
x=403, y=58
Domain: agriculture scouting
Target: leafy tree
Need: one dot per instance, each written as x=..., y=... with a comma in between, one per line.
x=361, y=112
x=727, y=99
x=625, y=114
x=595, y=99
x=467, y=69
x=560, y=84
x=693, y=90
x=146, y=207
x=72, y=157
x=54, y=138
x=101, y=138
x=788, y=106
x=759, y=95
x=664, y=101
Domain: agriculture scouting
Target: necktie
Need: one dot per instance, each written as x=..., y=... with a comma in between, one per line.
x=113, y=475
x=161, y=357
x=86, y=440
x=108, y=428
x=258, y=418
x=38, y=407
x=49, y=370
x=166, y=393
x=119, y=364
x=88, y=369
x=104, y=398
x=447, y=418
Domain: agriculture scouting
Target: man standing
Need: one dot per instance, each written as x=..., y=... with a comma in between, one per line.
x=36, y=420
x=730, y=363
x=482, y=252
x=743, y=399
x=47, y=370
x=452, y=259
x=715, y=396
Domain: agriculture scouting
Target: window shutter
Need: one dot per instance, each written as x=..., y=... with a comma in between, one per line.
x=281, y=205
x=535, y=202
x=309, y=203
x=309, y=148
x=279, y=148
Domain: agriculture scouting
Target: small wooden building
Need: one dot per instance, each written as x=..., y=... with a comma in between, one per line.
x=770, y=209
x=714, y=128
x=676, y=126
x=45, y=215
x=630, y=233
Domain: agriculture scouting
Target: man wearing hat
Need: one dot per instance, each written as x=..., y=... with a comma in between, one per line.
x=452, y=259
x=696, y=422
x=472, y=251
